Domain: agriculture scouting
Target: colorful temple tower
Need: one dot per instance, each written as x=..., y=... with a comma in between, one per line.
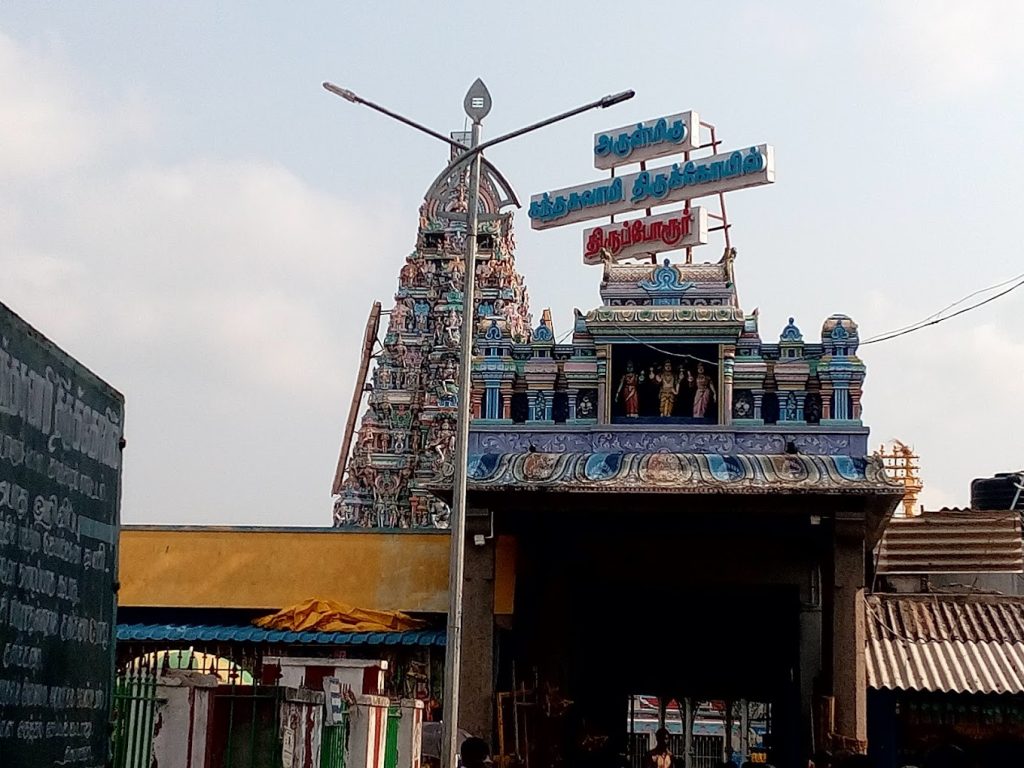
x=407, y=434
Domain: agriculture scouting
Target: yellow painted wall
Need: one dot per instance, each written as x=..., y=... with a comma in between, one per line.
x=274, y=568
x=504, y=575
x=210, y=567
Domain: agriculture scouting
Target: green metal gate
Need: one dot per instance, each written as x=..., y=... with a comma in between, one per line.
x=134, y=713
x=334, y=742
x=391, y=743
x=246, y=727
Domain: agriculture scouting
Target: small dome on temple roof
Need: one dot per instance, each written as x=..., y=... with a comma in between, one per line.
x=543, y=332
x=791, y=332
x=838, y=326
x=493, y=332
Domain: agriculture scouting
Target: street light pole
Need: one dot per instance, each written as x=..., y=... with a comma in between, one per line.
x=477, y=105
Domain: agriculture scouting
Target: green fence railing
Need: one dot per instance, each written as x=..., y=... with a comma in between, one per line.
x=334, y=742
x=134, y=712
x=391, y=742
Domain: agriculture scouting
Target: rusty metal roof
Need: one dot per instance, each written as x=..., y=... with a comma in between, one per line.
x=947, y=643
x=952, y=542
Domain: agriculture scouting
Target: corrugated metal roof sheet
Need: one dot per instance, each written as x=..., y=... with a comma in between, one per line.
x=952, y=542
x=250, y=634
x=948, y=643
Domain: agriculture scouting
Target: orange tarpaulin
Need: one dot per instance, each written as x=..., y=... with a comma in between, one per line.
x=331, y=616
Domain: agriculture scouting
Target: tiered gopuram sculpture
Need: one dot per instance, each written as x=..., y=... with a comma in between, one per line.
x=407, y=434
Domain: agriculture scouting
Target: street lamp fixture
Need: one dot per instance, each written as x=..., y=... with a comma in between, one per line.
x=477, y=105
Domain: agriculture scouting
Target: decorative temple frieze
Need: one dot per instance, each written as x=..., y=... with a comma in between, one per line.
x=690, y=473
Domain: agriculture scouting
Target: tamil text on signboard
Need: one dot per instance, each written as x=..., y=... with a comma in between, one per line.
x=647, y=140
x=651, y=234
x=658, y=186
x=60, y=483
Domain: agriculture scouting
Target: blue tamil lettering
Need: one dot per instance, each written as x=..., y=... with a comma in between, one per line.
x=551, y=209
x=753, y=162
x=641, y=137
x=658, y=185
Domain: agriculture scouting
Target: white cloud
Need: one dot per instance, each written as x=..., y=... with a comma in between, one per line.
x=953, y=393
x=218, y=296
x=950, y=48
x=51, y=122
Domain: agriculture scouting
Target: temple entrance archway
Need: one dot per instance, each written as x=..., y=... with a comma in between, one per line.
x=667, y=596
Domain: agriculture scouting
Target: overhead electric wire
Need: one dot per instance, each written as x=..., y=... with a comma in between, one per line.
x=975, y=293
x=904, y=331
x=921, y=323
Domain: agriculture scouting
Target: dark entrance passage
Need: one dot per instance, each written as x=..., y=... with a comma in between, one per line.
x=692, y=606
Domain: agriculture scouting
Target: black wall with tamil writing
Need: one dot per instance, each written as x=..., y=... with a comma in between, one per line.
x=60, y=490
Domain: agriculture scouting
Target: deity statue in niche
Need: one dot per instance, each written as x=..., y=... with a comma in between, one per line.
x=540, y=407
x=668, y=388
x=743, y=405
x=458, y=269
x=705, y=393
x=440, y=513
x=398, y=320
x=585, y=408
x=407, y=275
x=453, y=328
x=399, y=442
x=485, y=273
x=399, y=351
x=628, y=391
x=449, y=371
x=443, y=444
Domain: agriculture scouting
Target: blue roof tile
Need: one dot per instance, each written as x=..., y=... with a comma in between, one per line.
x=249, y=634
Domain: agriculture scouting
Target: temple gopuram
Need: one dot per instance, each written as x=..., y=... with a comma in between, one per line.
x=407, y=435
x=660, y=465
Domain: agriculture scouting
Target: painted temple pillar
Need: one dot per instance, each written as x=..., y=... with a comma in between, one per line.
x=506, y=399
x=849, y=675
x=728, y=365
x=476, y=691
x=826, y=401
x=603, y=407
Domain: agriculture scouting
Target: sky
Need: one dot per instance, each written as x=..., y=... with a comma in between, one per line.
x=185, y=210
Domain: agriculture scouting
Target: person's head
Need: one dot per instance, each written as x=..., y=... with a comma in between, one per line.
x=667, y=365
x=700, y=367
x=661, y=736
x=474, y=752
